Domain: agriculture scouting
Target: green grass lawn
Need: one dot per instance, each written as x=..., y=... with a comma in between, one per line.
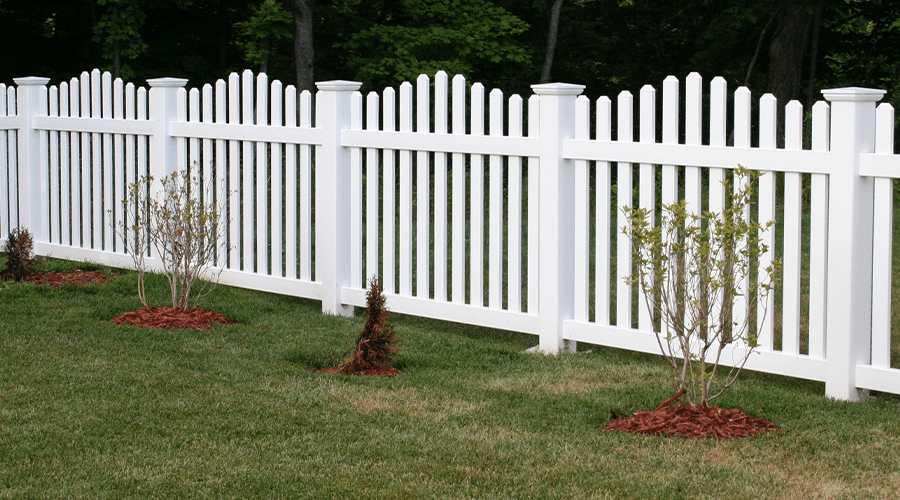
x=92, y=410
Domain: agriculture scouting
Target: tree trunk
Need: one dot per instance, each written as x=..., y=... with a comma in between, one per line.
x=787, y=54
x=813, y=56
x=264, y=64
x=551, y=40
x=303, y=43
x=117, y=46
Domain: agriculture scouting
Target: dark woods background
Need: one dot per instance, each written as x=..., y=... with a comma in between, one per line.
x=792, y=48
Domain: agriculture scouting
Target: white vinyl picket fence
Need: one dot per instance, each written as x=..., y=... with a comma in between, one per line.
x=481, y=208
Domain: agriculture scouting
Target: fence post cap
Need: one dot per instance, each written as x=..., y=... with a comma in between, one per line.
x=31, y=80
x=557, y=89
x=167, y=82
x=853, y=94
x=339, y=86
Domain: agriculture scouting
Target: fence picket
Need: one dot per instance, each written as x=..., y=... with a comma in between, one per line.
x=716, y=203
x=792, y=222
x=43, y=159
x=85, y=153
x=65, y=178
x=742, y=120
x=423, y=191
x=107, y=163
x=262, y=178
x=207, y=153
x=647, y=183
x=291, y=241
x=7, y=168
x=514, y=211
x=693, y=130
x=55, y=190
x=603, y=217
x=669, y=194
x=495, y=205
x=624, y=200
x=356, y=197
x=882, y=245
x=306, y=193
x=767, y=127
x=193, y=164
x=234, y=181
x=143, y=145
x=406, y=194
x=717, y=130
x=818, y=234
x=276, y=174
x=247, y=118
x=118, y=166
x=693, y=127
x=96, y=162
x=389, y=204
x=534, y=120
x=476, y=204
x=440, y=190
x=582, y=214
x=372, y=183
x=220, y=167
x=458, y=223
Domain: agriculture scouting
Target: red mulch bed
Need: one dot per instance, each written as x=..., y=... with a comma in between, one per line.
x=381, y=372
x=151, y=317
x=76, y=277
x=193, y=318
x=688, y=421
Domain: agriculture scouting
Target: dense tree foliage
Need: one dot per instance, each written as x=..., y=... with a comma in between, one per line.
x=792, y=48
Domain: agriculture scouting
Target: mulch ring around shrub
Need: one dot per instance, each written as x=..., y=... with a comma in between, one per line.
x=193, y=318
x=688, y=421
x=76, y=277
x=380, y=372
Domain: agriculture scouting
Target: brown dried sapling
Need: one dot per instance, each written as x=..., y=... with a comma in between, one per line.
x=375, y=344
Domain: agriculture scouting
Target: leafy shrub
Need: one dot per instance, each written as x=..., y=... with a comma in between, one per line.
x=375, y=343
x=20, y=260
x=691, y=269
x=182, y=228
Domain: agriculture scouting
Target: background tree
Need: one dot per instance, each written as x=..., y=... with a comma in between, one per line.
x=269, y=23
x=471, y=37
x=304, y=49
x=119, y=33
x=552, y=34
x=791, y=47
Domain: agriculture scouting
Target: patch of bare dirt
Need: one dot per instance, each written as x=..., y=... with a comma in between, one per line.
x=76, y=277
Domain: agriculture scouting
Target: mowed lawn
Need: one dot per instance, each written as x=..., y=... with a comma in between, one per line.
x=92, y=410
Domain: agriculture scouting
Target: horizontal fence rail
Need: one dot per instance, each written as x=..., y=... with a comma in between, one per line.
x=477, y=207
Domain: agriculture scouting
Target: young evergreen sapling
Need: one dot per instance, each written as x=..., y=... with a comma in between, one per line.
x=20, y=261
x=375, y=343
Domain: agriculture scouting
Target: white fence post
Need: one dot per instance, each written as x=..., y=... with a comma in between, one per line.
x=333, y=194
x=33, y=198
x=163, y=110
x=849, y=282
x=557, y=221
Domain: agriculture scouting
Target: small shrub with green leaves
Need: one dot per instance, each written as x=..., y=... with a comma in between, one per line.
x=375, y=343
x=690, y=270
x=19, y=252
x=181, y=223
